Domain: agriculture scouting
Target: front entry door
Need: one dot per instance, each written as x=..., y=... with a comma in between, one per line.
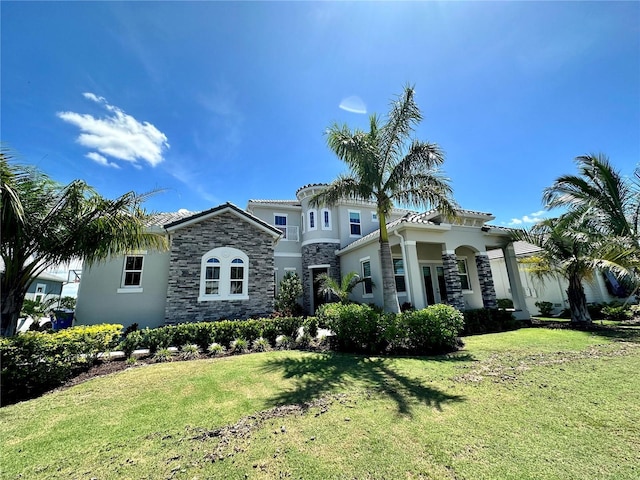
x=318, y=299
x=435, y=286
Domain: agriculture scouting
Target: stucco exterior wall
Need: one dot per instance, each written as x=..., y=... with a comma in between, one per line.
x=99, y=301
x=190, y=243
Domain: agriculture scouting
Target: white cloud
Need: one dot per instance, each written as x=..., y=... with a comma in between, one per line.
x=100, y=160
x=117, y=135
x=353, y=104
x=532, y=218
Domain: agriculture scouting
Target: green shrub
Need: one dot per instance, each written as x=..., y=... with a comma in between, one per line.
x=310, y=325
x=284, y=342
x=261, y=345
x=189, y=351
x=131, y=342
x=545, y=308
x=239, y=345
x=287, y=298
x=488, y=320
x=157, y=338
x=35, y=362
x=504, y=303
x=163, y=355
x=216, y=349
x=357, y=328
x=434, y=329
x=617, y=312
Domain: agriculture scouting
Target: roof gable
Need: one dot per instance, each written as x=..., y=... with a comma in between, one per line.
x=219, y=210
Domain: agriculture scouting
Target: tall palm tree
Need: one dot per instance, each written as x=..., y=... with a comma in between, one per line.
x=608, y=199
x=573, y=250
x=385, y=166
x=45, y=223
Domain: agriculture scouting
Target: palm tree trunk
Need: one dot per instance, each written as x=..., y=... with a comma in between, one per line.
x=577, y=301
x=389, y=293
x=12, y=300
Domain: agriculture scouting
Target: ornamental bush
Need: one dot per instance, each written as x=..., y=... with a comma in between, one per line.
x=357, y=328
x=35, y=362
x=432, y=330
x=488, y=320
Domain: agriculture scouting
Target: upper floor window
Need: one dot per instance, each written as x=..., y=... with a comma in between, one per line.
x=374, y=217
x=463, y=273
x=312, y=220
x=326, y=219
x=132, y=273
x=224, y=275
x=366, y=275
x=354, y=223
x=398, y=272
x=280, y=221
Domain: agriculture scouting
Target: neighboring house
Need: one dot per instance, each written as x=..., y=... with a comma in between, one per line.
x=227, y=262
x=44, y=287
x=602, y=288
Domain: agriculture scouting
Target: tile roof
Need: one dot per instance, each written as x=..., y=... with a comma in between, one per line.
x=521, y=249
x=163, y=218
x=294, y=203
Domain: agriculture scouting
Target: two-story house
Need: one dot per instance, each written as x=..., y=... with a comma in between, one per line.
x=227, y=262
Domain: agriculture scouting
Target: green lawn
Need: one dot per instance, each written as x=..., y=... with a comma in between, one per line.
x=533, y=403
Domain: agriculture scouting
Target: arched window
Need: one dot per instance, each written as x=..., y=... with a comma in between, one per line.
x=224, y=275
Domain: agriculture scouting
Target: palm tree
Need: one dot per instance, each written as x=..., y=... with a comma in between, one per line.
x=612, y=203
x=45, y=223
x=342, y=290
x=387, y=166
x=573, y=250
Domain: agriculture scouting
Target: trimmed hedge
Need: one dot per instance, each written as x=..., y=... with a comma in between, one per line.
x=35, y=362
x=487, y=320
x=363, y=329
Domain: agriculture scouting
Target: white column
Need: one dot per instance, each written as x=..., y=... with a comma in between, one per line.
x=414, y=275
x=517, y=292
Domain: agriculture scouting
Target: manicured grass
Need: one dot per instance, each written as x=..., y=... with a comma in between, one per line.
x=533, y=403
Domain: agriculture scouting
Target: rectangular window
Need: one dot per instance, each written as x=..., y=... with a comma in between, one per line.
x=132, y=275
x=366, y=275
x=212, y=281
x=354, y=223
x=237, y=280
x=374, y=217
x=463, y=273
x=312, y=220
x=280, y=222
x=398, y=271
x=326, y=220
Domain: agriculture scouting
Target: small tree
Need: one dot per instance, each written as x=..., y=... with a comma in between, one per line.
x=342, y=290
x=288, y=294
x=68, y=302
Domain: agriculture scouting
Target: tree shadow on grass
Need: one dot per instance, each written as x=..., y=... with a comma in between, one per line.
x=322, y=374
x=623, y=332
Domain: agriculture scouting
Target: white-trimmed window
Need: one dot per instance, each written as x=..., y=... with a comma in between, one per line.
x=326, y=219
x=224, y=275
x=463, y=273
x=313, y=220
x=41, y=292
x=280, y=222
x=302, y=222
x=398, y=272
x=374, y=217
x=355, y=229
x=132, y=272
x=367, y=284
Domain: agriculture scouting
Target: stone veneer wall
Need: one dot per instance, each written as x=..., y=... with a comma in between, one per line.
x=486, y=281
x=190, y=243
x=452, y=280
x=317, y=254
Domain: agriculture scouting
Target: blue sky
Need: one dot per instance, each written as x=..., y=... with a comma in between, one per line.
x=217, y=101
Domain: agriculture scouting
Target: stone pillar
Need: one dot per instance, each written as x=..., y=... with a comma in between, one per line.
x=485, y=278
x=452, y=279
x=414, y=275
